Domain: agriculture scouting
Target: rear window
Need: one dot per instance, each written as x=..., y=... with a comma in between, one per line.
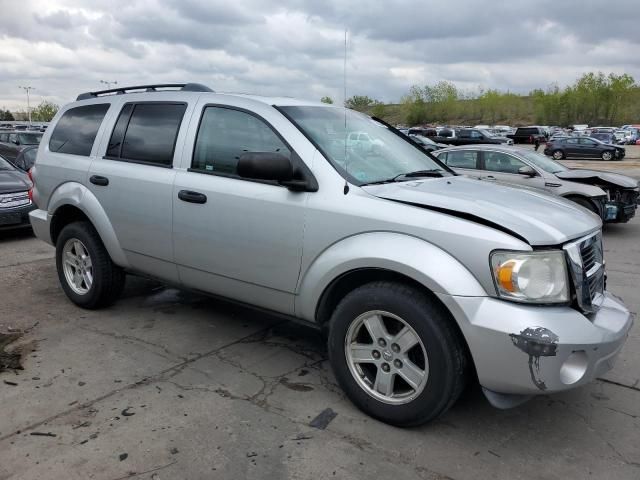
x=147, y=133
x=76, y=130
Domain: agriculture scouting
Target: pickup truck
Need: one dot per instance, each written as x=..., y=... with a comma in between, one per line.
x=528, y=135
x=470, y=136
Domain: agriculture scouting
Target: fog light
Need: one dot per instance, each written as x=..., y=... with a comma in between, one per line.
x=574, y=367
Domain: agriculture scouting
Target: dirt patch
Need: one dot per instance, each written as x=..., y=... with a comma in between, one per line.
x=11, y=357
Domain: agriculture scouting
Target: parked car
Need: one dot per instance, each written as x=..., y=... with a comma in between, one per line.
x=528, y=135
x=604, y=137
x=620, y=137
x=15, y=202
x=26, y=158
x=426, y=143
x=583, y=147
x=469, y=136
x=13, y=142
x=611, y=196
x=420, y=277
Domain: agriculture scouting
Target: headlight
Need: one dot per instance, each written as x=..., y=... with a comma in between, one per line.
x=533, y=277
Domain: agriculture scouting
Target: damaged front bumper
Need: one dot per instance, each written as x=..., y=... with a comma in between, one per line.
x=526, y=350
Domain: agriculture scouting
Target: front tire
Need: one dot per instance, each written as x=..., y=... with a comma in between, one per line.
x=86, y=272
x=558, y=154
x=396, y=353
x=606, y=156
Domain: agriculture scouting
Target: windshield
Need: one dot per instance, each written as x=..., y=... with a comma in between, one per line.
x=29, y=138
x=383, y=156
x=4, y=165
x=545, y=163
x=488, y=133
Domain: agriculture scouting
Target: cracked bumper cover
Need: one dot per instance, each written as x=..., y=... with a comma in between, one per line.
x=490, y=326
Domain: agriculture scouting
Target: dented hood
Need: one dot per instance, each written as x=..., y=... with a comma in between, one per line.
x=594, y=177
x=536, y=217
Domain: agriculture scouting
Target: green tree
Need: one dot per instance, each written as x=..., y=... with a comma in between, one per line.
x=44, y=112
x=6, y=115
x=327, y=99
x=379, y=110
x=359, y=102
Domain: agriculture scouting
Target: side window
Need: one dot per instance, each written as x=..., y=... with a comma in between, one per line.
x=225, y=134
x=461, y=159
x=76, y=130
x=146, y=133
x=13, y=138
x=588, y=142
x=476, y=134
x=501, y=162
x=571, y=141
x=4, y=137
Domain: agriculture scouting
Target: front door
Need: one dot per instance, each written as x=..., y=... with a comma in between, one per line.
x=235, y=237
x=503, y=167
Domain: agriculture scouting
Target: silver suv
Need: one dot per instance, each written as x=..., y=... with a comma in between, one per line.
x=422, y=279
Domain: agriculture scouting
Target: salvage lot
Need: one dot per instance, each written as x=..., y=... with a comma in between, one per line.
x=168, y=384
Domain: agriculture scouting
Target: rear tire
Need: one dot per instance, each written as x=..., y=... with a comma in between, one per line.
x=86, y=272
x=426, y=369
x=558, y=154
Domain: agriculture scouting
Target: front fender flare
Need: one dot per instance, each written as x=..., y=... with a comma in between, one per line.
x=413, y=257
x=79, y=196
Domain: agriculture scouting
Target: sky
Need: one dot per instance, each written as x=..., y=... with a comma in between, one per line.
x=296, y=47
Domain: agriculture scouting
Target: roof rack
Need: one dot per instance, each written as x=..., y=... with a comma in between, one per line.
x=184, y=87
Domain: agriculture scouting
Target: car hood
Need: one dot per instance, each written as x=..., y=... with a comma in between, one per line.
x=594, y=177
x=536, y=217
x=13, y=181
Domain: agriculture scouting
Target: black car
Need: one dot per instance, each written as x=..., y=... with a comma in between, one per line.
x=426, y=143
x=12, y=143
x=26, y=158
x=15, y=201
x=583, y=147
x=528, y=135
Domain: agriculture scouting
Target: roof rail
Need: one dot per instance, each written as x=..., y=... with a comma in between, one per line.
x=184, y=87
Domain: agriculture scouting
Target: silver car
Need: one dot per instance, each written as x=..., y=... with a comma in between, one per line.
x=422, y=279
x=611, y=196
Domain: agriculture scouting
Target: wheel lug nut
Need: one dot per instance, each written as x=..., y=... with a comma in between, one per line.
x=385, y=367
x=397, y=363
x=382, y=342
x=376, y=354
x=395, y=347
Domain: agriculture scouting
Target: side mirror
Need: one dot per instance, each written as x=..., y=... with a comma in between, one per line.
x=265, y=166
x=527, y=170
x=16, y=142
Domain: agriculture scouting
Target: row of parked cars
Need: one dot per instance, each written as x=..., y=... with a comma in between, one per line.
x=423, y=279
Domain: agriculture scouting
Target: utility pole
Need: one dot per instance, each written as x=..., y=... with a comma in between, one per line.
x=28, y=89
x=108, y=84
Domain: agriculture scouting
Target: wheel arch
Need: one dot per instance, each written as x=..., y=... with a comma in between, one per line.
x=72, y=202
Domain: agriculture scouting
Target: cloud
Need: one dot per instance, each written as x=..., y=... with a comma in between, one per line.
x=295, y=47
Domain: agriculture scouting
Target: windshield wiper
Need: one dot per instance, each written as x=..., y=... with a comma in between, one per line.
x=402, y=177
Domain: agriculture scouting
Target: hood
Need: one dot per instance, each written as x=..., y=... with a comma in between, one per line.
x=594, y=177
x=536, y=217
x=13, y=181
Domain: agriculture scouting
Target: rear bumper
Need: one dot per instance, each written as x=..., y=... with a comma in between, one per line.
x=11, y=218
x=40, y=222
x=528, y=350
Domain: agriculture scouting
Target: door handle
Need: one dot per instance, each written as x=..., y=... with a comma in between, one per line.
x=192, y=197
x=99, y=180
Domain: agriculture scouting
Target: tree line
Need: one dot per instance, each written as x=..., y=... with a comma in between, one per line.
x=593, y=99
x=44, y=112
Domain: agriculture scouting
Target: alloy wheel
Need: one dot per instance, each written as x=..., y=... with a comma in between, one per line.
x=77, y=266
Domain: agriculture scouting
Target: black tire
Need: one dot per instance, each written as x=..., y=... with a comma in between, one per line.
x=586, y=203
x=108, y=278
x=447, y=358
x=555, y=155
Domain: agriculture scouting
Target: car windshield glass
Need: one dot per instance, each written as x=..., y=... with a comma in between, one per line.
x=488, y=133
x=384, y=156
x=29, y=138
x=423, y=140
x=545, y=163
x=4, y=165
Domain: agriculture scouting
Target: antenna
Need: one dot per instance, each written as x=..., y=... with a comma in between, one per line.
x=344, y=106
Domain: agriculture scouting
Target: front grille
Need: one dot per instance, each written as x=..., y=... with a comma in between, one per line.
x=586, y=263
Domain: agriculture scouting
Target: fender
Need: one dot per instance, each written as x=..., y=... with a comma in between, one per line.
x=79, y=196
x=411, y=256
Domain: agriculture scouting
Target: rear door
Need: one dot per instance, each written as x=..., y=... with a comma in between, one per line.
x=571, y=147
x=464, y=162
x=132, y=178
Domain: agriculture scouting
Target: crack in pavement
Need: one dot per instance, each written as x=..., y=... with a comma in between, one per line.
x=620, y=384
x=167, y=372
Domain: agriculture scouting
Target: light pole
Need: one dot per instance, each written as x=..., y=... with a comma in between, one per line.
x=28, y=89
x=108, y=84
